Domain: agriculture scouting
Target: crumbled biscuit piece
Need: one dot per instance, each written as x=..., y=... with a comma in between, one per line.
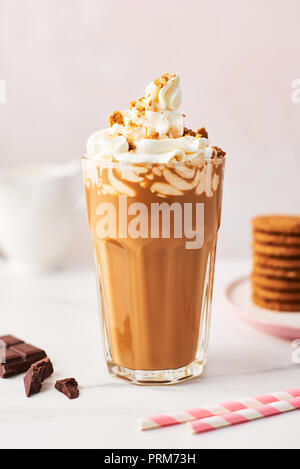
x=140, y=108
x=116, y=118
x=183, y=115
x=187, y=131
x=132, y=104
x=167, y=77
x=131, y=124
x=202, y=133
x=163, y=80
x=114, y=135
x=218, y=152
x=153, y=135
x=158, y=83
x=131, y=145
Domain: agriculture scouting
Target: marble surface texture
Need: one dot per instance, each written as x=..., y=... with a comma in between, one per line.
x=58, y=312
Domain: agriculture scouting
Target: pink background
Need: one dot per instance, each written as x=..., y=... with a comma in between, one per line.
x=69, y=63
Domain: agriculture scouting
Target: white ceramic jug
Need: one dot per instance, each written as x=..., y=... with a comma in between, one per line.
x=38, y=206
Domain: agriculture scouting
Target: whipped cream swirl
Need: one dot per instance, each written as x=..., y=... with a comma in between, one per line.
x=150, y=131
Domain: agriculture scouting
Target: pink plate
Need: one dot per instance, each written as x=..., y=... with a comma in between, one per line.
x=280, y=324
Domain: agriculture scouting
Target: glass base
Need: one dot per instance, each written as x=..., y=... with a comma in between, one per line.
x=157, y=377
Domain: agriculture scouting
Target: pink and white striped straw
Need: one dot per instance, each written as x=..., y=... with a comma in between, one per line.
x=243, y=416
x=174, y=418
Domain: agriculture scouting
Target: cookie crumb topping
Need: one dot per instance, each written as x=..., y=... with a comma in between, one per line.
x=116, y=118
x=153, y=135
x=218, y=152
x=202, y=133
x=131, y=145
x=154, y=116
x=190, y=132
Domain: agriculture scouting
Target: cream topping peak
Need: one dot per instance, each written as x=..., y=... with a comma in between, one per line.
x=151, y=130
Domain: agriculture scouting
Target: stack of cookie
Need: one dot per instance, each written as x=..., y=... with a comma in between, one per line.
x=276, y=262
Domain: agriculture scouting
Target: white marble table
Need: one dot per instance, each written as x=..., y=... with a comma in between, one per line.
x=59, y=313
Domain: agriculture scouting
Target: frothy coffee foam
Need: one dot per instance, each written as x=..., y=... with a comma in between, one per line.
x=164, y=180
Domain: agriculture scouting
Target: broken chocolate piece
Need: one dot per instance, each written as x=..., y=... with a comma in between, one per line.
x=8, y=356
x=68, y=386
x=9, y=340
x=36, y=374
x=28, y=352
x=14, y=368
x=16, y=356
x=44, y=368
x=48, y=369
x=32, y=382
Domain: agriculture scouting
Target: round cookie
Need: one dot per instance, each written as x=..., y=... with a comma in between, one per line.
x=276, y=305
x=267, y=294
x=276, y=262
x=276, y=251
x=275, y=283
x=275, y=272
x=271, y=238
x=277, y=223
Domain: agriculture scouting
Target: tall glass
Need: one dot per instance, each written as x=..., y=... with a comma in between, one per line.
x=155, y=230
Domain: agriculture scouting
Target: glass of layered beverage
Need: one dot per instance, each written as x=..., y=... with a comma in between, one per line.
x=153, y=193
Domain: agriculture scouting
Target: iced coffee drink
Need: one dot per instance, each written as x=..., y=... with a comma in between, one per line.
x=153, y=193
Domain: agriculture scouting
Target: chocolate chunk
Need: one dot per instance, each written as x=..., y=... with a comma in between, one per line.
x=16, y=356
x=8, y=356
x=10, y=340
x=44, y=368
x=68, y=386
x=14, y=368
x=36, y=374
x=32, y=382
x=28, y=352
